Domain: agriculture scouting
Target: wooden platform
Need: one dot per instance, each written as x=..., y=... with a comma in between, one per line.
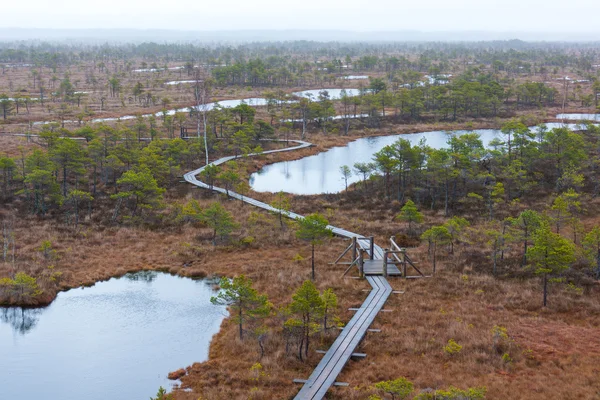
x=375, y=267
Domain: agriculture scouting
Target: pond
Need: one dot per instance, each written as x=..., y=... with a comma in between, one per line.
x=116, y=340
x=583, y=117
x=334, y=94
x=320, y=173
x=179, y=82
x=252, y=101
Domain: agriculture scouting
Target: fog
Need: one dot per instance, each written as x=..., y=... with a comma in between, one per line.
x=366, y=20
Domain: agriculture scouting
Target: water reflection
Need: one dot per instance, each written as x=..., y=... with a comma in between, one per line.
x=143, y=276
x=22, y=320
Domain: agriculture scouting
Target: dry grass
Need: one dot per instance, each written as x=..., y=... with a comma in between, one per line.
x=555, y=351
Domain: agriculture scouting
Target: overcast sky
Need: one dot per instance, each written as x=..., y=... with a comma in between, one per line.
x=357, y=15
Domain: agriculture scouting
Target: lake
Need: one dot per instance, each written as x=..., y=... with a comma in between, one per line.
x=116, y=340
x=320, y=173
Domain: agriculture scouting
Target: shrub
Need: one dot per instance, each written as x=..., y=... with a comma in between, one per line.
x=452, y=347
x=453, y=394
x=399, y=388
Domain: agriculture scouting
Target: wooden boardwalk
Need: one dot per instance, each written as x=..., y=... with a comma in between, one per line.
x=375, y=267
x=325, y=374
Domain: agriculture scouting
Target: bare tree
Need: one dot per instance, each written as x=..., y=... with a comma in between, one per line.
x=202, y=94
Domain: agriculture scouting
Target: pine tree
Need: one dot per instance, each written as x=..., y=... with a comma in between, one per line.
x=246, y=303
x=219, y=219
x=313, y=228
x=436, y=236
x=550, y=254
x=409, y=213
x=307, y=306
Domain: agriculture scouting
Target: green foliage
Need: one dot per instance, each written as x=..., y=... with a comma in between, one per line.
x=162, y=395
x=258, y=372
x=307, y=310
x=313, y=228
x=526, y=224
x=591, y=246
x=24, y=287
x=192, y=211
x=436, y=236
x=219, y=220
x=574, y=289
x=399, y=388
x=47, y=250
x=140, y=189
x=246, y=303
x=346, y=173
x=282, y=205
x=452, y=347
x=410, y=213
x=229, y=178
x=550, y=254
x=329, y=305
x=453, y=393
x=209, y=174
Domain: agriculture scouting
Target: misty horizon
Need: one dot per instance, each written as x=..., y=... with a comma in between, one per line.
x=248, y=35
x=433, y=20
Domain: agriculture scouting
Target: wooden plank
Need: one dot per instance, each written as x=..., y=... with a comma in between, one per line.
x=356, y=355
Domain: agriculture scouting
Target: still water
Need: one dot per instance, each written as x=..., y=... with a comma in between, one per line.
x=320, y=173
x=586, y=117
x=116, y=340
x=334, y=94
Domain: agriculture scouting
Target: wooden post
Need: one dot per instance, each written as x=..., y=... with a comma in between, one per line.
x=403, y=256
x=385, y=263
x=354, y=248
x=372, y=247
x=361, y=264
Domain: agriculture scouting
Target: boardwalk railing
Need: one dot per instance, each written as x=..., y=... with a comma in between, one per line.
x=326, y=372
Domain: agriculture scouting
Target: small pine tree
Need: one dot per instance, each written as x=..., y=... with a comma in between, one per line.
x=313, y=228
x=307, y=308
x=550, y=254
x=399, y=388
x=436, y=235
x=219, y=219
x=246, y=303
x=409, y=213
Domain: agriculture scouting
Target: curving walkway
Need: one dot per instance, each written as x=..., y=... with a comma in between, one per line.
x=326, y=372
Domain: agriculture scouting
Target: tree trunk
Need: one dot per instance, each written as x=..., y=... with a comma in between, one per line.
x=545, y=289
x=240, y=318
x=434, y=251
x=312, y=259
